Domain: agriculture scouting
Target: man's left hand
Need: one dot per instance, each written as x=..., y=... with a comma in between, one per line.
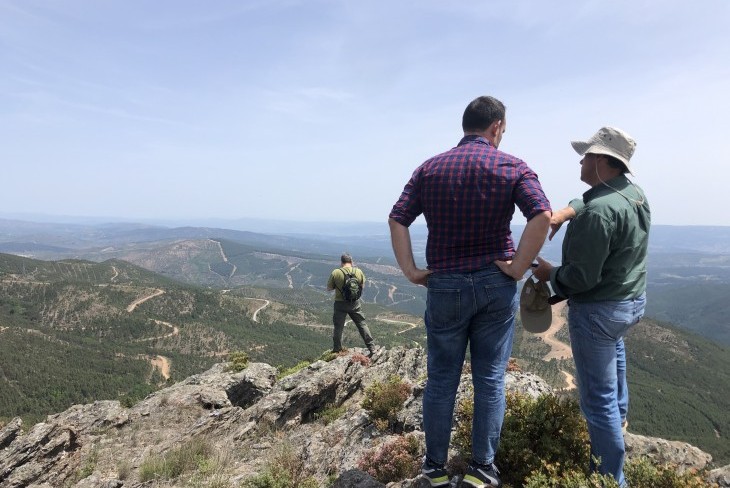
x=542, y=272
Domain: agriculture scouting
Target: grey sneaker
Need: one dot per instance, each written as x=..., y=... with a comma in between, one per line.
x=435, y=474
x=482, y=476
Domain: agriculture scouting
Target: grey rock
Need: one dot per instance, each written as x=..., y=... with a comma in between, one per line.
x=354, y=478
x=721, y=476
x=10, y=432
x=37, y=455
x=684, y=455
x=248, y=419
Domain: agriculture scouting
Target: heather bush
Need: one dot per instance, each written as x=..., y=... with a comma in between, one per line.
x=394, y=460
x=383, y=401
x=360, y=358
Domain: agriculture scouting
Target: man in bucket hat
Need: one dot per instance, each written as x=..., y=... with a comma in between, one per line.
x=603, y=275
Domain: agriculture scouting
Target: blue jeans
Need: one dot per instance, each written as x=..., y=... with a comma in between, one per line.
x=596, y=336
x=479, y=309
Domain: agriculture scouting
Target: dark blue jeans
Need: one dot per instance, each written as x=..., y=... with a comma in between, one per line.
x=476, y=309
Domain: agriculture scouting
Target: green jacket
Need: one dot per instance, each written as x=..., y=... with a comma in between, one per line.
x=605, y=246
x=337, y=280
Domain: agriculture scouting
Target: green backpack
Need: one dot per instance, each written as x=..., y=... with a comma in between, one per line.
x=351, y=289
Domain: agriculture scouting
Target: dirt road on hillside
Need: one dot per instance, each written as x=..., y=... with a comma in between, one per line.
x=140, y=301
x=391, y=321
x=255, y=317
x=558, y=349
x=163, y=364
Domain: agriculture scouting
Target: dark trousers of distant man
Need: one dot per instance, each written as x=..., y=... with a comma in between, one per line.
x=343, y=309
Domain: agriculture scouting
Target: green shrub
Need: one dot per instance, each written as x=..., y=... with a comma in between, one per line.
x=330, y=413
x=192, y=456
x=383, y=401
x=284, y=372
x=239, y=361
x=88, y=467
x=543, y=430
x=641, y=473
x=536, y=433
x=394, y=460
x=544, y=444
x=328, y=356
x=553, y=476
x=286, y=469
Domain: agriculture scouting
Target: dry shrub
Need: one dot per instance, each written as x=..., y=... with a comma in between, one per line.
x=360, y=358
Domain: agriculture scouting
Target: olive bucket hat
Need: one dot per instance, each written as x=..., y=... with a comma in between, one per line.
x=535, y=311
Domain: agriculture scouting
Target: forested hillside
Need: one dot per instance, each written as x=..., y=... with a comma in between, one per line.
x=679, y=387
x=77, y=331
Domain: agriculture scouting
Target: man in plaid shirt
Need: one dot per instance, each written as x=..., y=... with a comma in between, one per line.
x=468, y=196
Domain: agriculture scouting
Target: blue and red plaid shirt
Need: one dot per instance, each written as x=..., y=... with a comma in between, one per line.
x=468, y=196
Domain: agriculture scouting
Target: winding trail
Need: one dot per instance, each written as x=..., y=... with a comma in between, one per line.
x=116, y=273
x=255, y=317
x=225, y=258
x=160, y=362
x=558, y=349
x=175, y=331
x=391, y=321
x=140, y=301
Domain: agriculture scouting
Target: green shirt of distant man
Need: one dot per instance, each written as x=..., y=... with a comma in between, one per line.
x=605, y=247
x=337, y=279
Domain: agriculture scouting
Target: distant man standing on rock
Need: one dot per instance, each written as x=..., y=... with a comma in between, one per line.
x=468, y=196
x=603, y=274
x=344, y=281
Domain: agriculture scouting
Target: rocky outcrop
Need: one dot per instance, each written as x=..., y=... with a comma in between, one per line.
x=662, y=451
x=245, y=418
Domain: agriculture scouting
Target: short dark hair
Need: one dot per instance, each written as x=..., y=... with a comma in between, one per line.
x=481, y=113
x=616, y=163
x=346, y=258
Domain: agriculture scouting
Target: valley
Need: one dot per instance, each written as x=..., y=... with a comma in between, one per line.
x=118, y=318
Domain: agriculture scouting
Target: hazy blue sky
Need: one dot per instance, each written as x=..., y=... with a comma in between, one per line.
x=286, y=109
